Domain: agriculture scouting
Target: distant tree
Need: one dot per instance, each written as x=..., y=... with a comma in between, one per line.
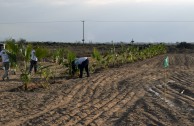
x=184, y=45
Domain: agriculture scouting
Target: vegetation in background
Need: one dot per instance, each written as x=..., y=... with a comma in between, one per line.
x=42, y=53
x=19, y=53
x=130, y=53
x=59, y=55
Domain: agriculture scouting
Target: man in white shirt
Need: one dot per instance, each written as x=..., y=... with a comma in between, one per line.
x=33, y=61
x=5, y=60
x=81, y=63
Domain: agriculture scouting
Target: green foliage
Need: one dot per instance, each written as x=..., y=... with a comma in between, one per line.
x=70, y=58
x=26, y=79
x=96, y=55
x=27, y=53
x=41, y=53
x=128, y=54
x=11, y=46
x=46, y=74
x=13, y=52
x=25, y=56
x=58, y=55
x=98, y=62
x=20, y=52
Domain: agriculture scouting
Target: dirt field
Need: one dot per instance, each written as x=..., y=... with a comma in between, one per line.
x=130, y=95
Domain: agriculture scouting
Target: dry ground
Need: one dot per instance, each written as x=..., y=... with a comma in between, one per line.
x=132, y=94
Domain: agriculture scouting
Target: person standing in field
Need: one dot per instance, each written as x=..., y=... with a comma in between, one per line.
x=82, y=63
x=33, y=62
x=5, y=60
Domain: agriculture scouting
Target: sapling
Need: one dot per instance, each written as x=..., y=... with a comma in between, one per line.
x=25, y=78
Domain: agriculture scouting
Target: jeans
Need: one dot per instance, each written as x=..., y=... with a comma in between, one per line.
x=33, y=64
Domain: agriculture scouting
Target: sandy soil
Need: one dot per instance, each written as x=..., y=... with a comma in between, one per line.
x=131, y=95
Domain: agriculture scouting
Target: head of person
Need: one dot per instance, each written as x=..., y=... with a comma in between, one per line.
x=33, y=51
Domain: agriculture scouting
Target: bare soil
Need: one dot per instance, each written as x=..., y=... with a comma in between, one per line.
x=130, y=95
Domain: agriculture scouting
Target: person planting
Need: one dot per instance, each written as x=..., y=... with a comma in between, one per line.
x=82, y=63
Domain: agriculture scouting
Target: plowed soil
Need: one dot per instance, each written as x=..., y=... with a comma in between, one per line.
x=135, y=94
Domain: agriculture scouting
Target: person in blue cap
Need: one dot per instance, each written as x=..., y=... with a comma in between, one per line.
x=82, y=63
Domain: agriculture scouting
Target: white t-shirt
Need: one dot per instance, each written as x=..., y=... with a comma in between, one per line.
x=33, y=56
x=4, y=56
x=80, y=60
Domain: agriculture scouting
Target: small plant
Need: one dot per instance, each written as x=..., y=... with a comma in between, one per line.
x=70, y=58
x=25, y=78
x=97, y=59
x=58, y=55
x=45, y=75
x=96, y=55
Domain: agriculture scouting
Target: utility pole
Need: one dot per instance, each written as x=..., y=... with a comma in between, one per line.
x=83, y=32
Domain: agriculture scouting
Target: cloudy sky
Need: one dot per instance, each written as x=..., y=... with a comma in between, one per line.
x=105, y=20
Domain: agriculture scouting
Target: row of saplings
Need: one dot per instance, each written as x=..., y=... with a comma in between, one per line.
x=19, y=54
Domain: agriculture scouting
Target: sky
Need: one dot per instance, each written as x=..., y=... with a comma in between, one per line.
x=104, y=20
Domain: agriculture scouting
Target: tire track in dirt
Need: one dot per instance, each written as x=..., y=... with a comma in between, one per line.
x=130, y=95
x=76, y=87
x=178, y=102
x=150, y=113
x=117, y=101
x=70, y=94
x=70, y=89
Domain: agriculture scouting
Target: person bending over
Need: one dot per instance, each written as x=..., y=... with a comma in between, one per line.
x=82, y=63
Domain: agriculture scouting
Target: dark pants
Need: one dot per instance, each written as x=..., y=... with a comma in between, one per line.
x=6, y=66
x=33, y=64
x=82, y=66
